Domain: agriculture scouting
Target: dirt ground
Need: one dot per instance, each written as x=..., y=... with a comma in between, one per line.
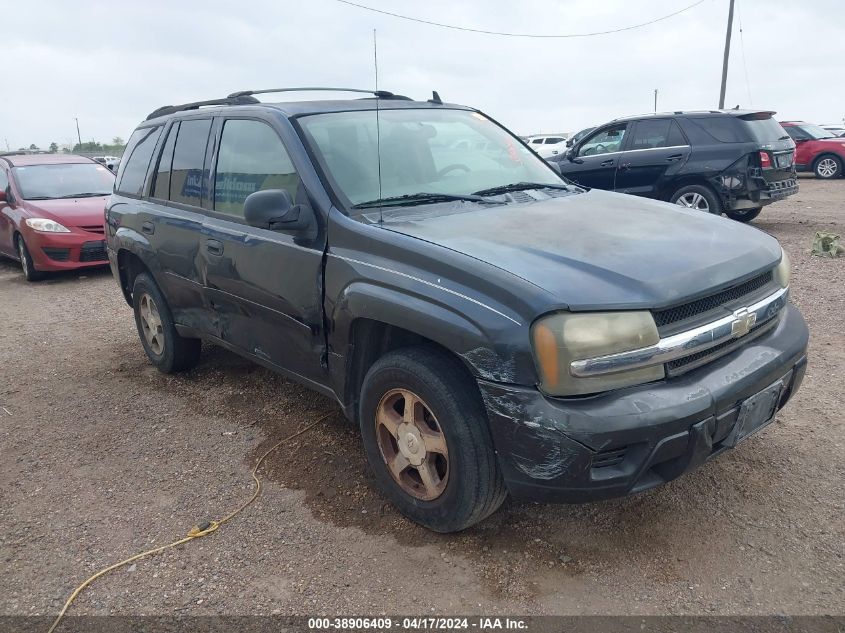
x=102, y=456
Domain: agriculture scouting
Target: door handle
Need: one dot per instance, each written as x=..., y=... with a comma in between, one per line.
x=148, y=227
x=674, y=157
x=214, y=247
x=606, y=163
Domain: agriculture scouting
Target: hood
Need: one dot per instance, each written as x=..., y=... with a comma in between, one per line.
x=70, y=211
x=602, y=250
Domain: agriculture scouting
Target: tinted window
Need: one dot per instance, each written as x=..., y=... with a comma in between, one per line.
x=763, y=130
x=186, y=175
x=251, y=158
x=796, y=132
x=554, y=139
x=161, y=189
x=813, y=131
x=139, y=151
x=608, y=140
x=654, y=133
x=537, y=141
x=722, y=128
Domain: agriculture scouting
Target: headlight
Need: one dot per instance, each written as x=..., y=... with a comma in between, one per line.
x=46, y=226
x=784, y=270
x=559, y=339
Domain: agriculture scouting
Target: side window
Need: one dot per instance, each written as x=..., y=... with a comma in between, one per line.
x=4, y=179
x=603, y=142
x=554, y=139
x=251, y=158
x=650, y=133
x=537, y=141
x=161, y=189
x=186, y=174
x=139, y=151
x=723, y=128
x=676, y=136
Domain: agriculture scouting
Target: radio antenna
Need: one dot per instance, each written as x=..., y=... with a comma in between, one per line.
x=378, y=128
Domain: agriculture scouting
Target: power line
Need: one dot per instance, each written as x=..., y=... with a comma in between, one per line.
x=530, y=35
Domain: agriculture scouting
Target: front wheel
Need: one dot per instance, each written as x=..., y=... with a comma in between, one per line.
x=27, y=265
x=828, y=168
x=697, y=197
x=426, y=436
x=744, y=215
x=165, y=348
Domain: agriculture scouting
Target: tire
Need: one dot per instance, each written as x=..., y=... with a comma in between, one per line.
x=744, y=215
x=165, y=348
x=466, y=486
x=697, y=197
x=27, y=264
x=827, y=167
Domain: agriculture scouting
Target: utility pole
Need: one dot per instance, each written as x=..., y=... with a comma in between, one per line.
x=655, y=99
x=727, y=55
x=79, y=136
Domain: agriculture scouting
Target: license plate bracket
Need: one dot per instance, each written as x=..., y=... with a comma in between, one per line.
x=756, y=412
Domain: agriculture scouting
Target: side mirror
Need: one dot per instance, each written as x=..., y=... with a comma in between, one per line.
x=274, y=209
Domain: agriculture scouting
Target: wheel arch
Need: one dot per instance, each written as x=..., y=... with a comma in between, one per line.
x=829, y=154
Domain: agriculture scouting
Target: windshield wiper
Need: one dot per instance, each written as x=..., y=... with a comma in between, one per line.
x=86, y=194
x=518, y=186
x=418, y=198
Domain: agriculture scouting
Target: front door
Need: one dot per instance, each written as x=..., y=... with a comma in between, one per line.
x=594, y=160
x=656, y=149
x=265, y=287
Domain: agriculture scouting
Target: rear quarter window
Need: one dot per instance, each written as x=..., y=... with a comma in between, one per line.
x=139, y=150
x=725, y=129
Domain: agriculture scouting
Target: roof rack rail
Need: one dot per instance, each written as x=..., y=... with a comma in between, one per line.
x=381, y=94
x=230, y=100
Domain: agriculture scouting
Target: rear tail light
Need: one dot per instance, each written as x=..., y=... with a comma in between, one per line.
x=765, y=160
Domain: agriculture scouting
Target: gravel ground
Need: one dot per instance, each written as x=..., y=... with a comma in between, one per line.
x=102, y=456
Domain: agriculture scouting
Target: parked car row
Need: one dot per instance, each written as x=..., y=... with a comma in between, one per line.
x=816, y=149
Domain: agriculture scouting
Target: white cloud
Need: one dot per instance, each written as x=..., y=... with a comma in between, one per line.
x=110, y=64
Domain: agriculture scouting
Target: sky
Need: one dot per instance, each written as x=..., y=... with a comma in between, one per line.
x=111, y=63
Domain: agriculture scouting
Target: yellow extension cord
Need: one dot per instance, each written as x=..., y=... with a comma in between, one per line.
x=195, y=532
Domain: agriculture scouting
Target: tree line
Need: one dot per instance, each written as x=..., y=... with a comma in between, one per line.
x=116, y=146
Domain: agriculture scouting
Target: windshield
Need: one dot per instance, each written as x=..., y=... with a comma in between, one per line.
x=764, y=130
x=449, y=152
x=63, y=180
x=816, y=132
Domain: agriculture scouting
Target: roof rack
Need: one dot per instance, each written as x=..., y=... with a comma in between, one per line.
x=381, y=94
x=231, y=100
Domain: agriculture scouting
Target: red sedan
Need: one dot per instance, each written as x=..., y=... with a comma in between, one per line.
x=51, y=211
x=816, y=149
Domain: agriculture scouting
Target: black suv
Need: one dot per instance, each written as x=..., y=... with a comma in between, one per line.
x=490, y=327
x=722, y=161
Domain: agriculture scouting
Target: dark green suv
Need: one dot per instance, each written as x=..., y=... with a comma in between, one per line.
x=491, y=327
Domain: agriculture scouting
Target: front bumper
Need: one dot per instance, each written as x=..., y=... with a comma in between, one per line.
x=630, y=440
x=66, y=251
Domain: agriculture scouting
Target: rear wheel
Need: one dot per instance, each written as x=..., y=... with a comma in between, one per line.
x=827, y=167
x=165, y=348
x=697, y=197
x=744, y=215
x=426, y=436
x=26, y=262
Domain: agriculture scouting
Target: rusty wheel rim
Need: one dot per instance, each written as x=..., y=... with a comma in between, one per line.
x=412, y=444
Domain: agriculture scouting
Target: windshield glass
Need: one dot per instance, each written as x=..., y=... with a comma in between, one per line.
x=816, y=132
x=63, y=180
x=451, y=152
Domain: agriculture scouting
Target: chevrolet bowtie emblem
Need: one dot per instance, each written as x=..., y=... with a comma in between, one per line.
x=743, y=322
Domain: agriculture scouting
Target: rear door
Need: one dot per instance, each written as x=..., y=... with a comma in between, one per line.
x=594, y=160
x=656, y=150
x=172, y=222
x=265, y=287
